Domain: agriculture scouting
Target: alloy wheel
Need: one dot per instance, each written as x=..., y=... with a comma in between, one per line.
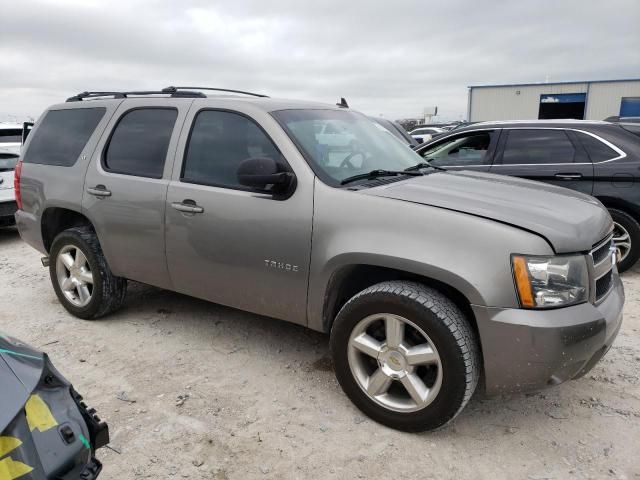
x=621, y=241
x=74, y=276
x=395, y=362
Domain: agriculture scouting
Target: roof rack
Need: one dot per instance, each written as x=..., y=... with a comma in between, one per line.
x=176, y=92
x=88, y=95
x=242, y=92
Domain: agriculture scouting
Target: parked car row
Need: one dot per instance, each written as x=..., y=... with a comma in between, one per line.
x=424, y=134
x=425, y=279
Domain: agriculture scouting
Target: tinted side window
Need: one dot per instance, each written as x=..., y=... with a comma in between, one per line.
x=219, y=142
x=537, y=147
x=598, y=151
x=139, y=142
x=465, y=149
x=62, y=136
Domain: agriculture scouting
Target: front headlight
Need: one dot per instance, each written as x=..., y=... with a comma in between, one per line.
x=544, y=282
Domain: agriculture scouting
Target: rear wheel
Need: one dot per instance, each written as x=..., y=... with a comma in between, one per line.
x=81, y=277
x=626, y=238
x=405, y=355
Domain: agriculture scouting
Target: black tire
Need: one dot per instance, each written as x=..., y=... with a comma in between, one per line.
x=449, y=331
x=632, y=226
x=109, y=291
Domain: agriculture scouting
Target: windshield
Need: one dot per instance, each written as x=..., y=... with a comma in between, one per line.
x=8, y=162
x=9, y=135
x=340, y=143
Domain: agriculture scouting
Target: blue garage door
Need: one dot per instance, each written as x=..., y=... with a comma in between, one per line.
x=630, y=107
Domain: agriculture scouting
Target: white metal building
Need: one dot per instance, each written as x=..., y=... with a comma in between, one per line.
x=588, y=100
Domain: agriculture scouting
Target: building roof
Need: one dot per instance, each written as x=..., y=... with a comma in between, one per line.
x=555, y=83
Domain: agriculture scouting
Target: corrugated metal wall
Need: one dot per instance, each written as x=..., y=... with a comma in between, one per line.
x=604, y=98
x=523, y=102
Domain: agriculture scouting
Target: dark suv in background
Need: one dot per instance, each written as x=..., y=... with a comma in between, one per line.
x=598, y=158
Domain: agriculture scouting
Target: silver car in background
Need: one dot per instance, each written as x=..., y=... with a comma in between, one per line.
x=10, y=143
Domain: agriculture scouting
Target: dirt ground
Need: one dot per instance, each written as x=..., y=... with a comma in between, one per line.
x=195, y=390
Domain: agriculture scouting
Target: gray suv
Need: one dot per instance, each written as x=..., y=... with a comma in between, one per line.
x=426, y=280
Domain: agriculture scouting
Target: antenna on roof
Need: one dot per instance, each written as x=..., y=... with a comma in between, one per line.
x=343, y=103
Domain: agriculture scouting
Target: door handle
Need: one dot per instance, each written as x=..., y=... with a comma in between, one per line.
x=99, y=191
x=568, y=176
x=187, y=207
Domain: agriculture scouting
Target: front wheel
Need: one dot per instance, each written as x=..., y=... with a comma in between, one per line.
x=81, y=277
x=405, y=355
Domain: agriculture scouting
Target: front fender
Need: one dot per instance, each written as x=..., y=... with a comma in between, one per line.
x=469, y=253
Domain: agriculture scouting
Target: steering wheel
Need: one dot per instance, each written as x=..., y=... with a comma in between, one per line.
x=346, y=163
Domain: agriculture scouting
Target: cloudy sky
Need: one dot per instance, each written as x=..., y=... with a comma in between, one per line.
x=386, y=57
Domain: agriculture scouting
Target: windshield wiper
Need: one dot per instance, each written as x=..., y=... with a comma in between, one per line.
x=373, y=174
x=424, y=165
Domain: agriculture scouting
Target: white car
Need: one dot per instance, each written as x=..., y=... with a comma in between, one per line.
x=424, y=134
x=10, y=143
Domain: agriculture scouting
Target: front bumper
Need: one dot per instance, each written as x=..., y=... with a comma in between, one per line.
x=527, y=350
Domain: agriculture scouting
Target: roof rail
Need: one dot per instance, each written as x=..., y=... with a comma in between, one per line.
x=88, y=95
x=177, y=89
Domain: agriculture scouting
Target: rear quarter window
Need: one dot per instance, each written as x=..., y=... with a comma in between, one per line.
x=62, y=135
x=597, y=150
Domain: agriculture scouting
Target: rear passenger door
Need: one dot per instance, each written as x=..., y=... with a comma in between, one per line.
x=126, y=186
x=551, y=155
x=472, y=150
x=226, y=243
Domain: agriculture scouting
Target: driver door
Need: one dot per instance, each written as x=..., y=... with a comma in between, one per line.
x=467, y=150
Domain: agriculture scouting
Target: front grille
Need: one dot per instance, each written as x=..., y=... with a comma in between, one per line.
x=604, y=284
x=7, y=209
x=601, y=251
x=603, y=262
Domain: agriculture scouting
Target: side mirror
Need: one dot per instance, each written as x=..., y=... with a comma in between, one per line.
x=264, y=175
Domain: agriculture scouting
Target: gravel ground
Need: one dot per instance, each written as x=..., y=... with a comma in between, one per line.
x=196, y=390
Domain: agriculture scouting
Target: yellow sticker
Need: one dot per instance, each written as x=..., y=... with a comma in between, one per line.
x=10, y=469
x=38, y=414
x=8, y=444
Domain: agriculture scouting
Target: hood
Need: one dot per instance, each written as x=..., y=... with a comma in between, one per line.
x=570, y=221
